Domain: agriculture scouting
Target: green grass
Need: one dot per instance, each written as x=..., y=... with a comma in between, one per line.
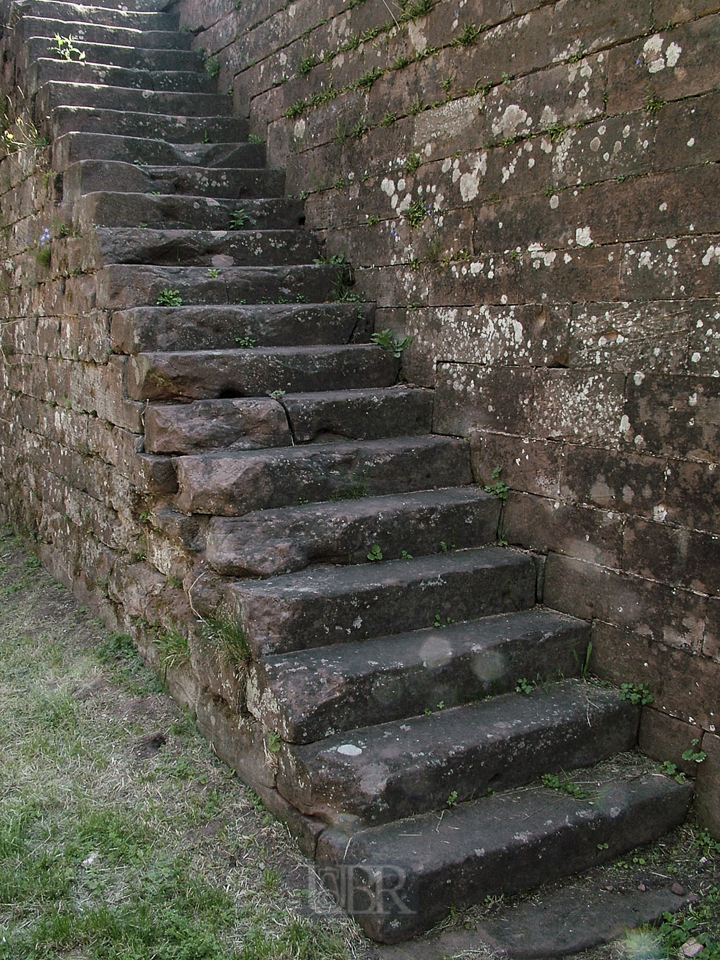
x=122, y=836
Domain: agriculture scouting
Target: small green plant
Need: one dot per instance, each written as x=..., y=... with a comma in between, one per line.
x=439, y=623
x=65, y=48
x=637, y=693
x=671, y=769
x=692, y=754
x=412, y=163
x=366, y=81
x=306, y=64
x=452, y=799
x=417, y=106
x=416, y=213
x=213, y=273
x=337, y=259
x=654, y=104
x=274, y=742
x=175, y=581
x=524, y=685
x=579, y=54
x=563, y=784
x=277, y=394
x=555, y=132
x=375, y=553
x=43, y=256
x=602, y=846
x=388, y=119
x=169, y=298
x=295, y=109
x=388, y=341
x=585, y=665
x=240, y=220
x=506, y=77
x=467, y=36
x=497, y=488
x=254, y=138
x=414, y=9
x=225, y=631
x=174, y=650
x=404, y=555
x=212, y=66
x=372, y=220
x=205, y=137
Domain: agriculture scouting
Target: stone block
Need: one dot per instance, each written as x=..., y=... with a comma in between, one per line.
x=686, y=133
x=691, y=495
x=684, y=685
x=670, y=268
x=663, y=737
x=531, y=466
x=711, y=642
x=674, y=616
x=490, y=398
x=622, y=482
x=578, y=406
x=707, y=804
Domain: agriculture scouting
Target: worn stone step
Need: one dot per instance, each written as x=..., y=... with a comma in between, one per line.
x=148, y=126
x=89, y=176
x=320, y=606
x=359, y=414
x=312, y=694
x=47, y=70
x=246, y=423
x=56, y=93
x=104, y=15
x=408, y=767
x=112, y=54
x=147, y=6
x=214, y=249
x=399, y=879
x=257, y=371
x=122, y=285
x=117, y=35
x=270, y=542
x=142, y=329
x=105, y=208
x=71, y=147
x=231, y=485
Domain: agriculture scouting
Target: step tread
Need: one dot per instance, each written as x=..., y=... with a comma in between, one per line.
x=405, y=767
x=321, y=691
x=496, y=845
x=134, y=37
x=170, y=128
x=269, y=542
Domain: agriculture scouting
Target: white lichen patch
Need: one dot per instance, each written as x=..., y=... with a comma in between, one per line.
x=654, y=57
x=513, y=118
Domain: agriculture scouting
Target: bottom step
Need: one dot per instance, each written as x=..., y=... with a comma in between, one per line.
x=399, y=879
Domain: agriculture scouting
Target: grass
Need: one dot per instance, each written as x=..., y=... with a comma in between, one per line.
x=121, y=834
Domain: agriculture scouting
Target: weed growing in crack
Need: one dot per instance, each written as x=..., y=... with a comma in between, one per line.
x=169, y=298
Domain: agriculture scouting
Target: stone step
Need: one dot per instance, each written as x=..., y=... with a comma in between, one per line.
x=104, y=208
x=49, y=70
x=143, y=329
x=58, y=93
x=90, y=176
x=258, y=371
x=315, y=693
x=411, y=766
x=148, y=6
x=246, y=423
x=231, y=485
x=112, y=54
x=399, y=879
x=321, y=606
x=214, y=249
x=358, y=414
x=77, y=13
x=148, y=126
x=270, y=542
x=71, y=147
x=123, y=285
x=126, y=36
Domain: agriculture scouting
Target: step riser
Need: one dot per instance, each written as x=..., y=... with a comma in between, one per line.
x=410, y=769
x=245, y=424
x=89, y=176
x=128, y=37
x=57, y=94
x=245, y=248
x=558, y=838
x=200, y=213
x=390, y=597
x=235, y=486
x=314, y=417
x=121, y=286
x=147, y=329
x=254, y=372
x=268, y=545
x=50, y=70
x=149, y=126
x=319, y=693
x=105, y=16
x=112, y=54
x=73, y=147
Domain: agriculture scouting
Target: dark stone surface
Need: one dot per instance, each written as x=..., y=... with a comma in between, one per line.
x=325, y=605
x=244, y=424
x=501, y=844
x=395, y=770
x=72, y=147
x=233, y=485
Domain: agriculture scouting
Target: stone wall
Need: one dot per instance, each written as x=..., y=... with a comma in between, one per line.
x=528, y=188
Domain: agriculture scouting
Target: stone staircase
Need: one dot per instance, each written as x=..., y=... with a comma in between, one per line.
x=384, y=633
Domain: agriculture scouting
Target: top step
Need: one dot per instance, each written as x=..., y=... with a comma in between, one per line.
x=109, y=15
x=120, y=36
